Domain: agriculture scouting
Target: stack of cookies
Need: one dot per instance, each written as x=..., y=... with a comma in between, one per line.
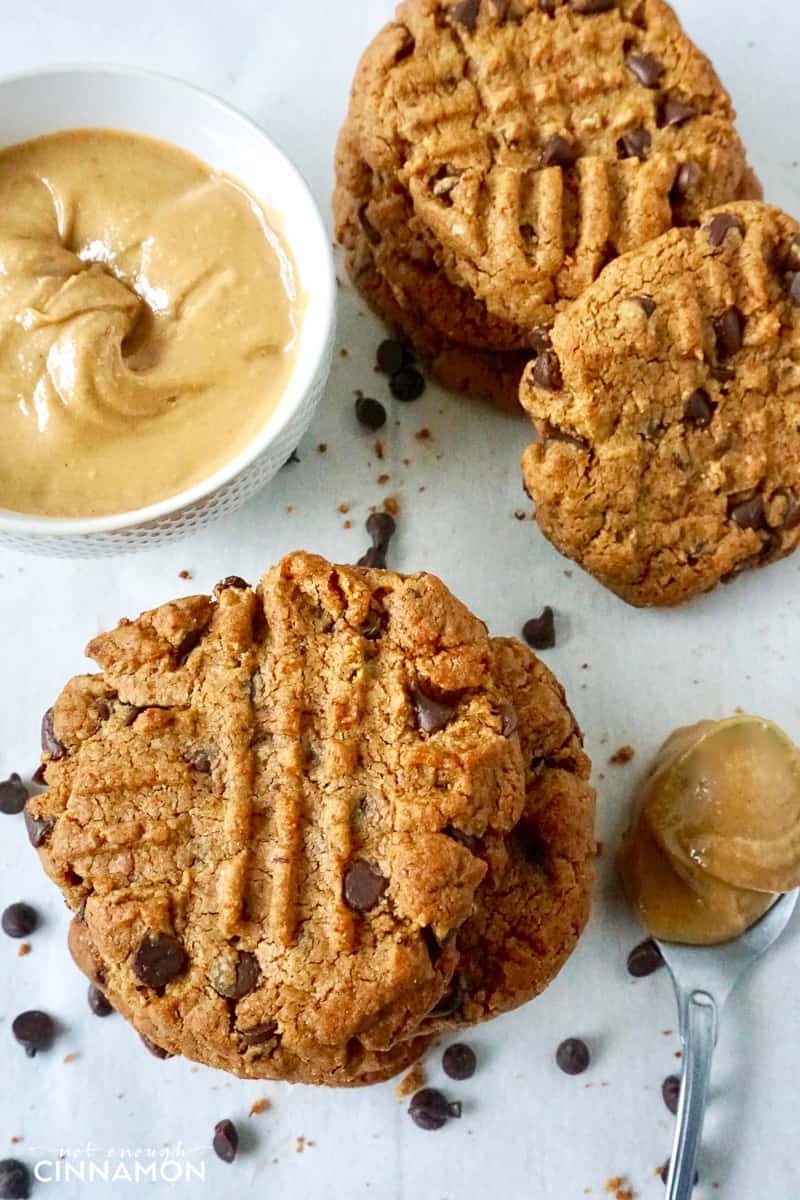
x=499, y=154
x=305, y=828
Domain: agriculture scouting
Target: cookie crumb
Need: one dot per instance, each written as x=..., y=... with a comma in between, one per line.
x=23, y=950
x=347, y=525
x=414, y=1081
x=322, y=447
x=378, y=448
x=260, y=1106
x=622, y=756
x=391, y=505
x=619, y=1189
x=422, y=435
x=520, y=515
x=568, y=574
x=70, y=1058
x=344, y=352
x=290, y=508
x=299, y=1144
x=382, y=479
x=343, y=508
x=184, y=574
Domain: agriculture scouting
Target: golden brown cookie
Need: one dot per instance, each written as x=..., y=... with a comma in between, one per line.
x=533, y=142
x=669, y=410
x=274, y=812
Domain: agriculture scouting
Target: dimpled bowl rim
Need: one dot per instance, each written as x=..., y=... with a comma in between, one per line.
x=136, y=100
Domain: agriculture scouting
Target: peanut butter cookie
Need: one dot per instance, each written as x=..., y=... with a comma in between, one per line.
x=302, y=828
x=669, y=410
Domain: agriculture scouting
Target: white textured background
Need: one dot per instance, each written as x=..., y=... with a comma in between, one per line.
x=528, y=1131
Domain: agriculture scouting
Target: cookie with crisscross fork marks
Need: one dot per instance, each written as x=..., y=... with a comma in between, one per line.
x=669, y=410
x=519, y=146
x=304, y=827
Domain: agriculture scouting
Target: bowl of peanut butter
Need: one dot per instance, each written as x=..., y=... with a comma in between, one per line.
x=167, y=310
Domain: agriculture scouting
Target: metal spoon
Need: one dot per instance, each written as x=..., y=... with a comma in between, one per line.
x=704, y=977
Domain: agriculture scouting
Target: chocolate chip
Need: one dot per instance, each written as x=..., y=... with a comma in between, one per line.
x=791, y=516
x=429, y=1109
x=646, y=67
x=375, y=626
x=572, y=1056
x=466, y=13
x=644, y=959
x=159, y=959
x=699, y=409
x=50, y=743
x=687, y=177
x=156, y=1051
x=13, y=795
x=245, y=978
x=722, y=374
x=363, y=886
x=671, y=1090
x=232, y=581
x=375, y=557
x=589, y=7
x=19, y=920
x=432, y=715
x=634, y=144
x=259, y=1035
x=540, y=338
x=510, y=723
x=392, y=356
x=748, y=514
x=381, y=528
x=407, y=45
x=226, y=1140
x=558, y=152
x=540, y=632
x=38, y=828
x=99, y=1003
x=547, y=372
x=728, y=330
x=674, y=112
x=407, y=384
x=459, y=1061
x=664, y=1173
x=200, y=761
x=793, y=286
x=646, y=303
x=34, y=1030
x=372, y=234
x=720, y=225
x=370, y=413
x=15, y=1180
x=39, y=776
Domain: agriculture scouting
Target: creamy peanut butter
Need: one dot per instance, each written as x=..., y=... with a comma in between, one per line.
x=716, y=830
x=148, y=320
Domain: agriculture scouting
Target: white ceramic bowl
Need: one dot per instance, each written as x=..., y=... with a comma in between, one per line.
x=119, y=98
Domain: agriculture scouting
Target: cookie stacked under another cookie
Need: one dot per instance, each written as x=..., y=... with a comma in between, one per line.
x=304, y=828
x=498, y=154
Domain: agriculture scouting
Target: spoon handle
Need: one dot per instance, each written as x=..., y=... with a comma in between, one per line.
x=698, y=1012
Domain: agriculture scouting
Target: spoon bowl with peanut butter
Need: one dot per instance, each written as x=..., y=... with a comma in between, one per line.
x=711, y=865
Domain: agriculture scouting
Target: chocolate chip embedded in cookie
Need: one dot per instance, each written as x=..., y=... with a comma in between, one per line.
x=669, y=457
x=274, y=812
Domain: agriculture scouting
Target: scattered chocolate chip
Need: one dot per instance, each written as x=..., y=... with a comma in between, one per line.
x=664, y=1173
x=372, y=234
x=99, y=1003
x=245, y=978
x=646, y=303
x=392, y=356
x=572, y=1056
x=432, y=715
x=748, y=514
x=19, y=920
x=232, y=581
x=259, y=1035
x=200, y=761
x=540, y=338
x=547, y=372
x=459, y=1061
x=381, y=528
x=370, y=413
x=159, y=959
x=363, y=886
x=50, y=743
x=15, y=1180
x=466, y=13
x=407, y=385
x=719, y=226
x=687, y=178
x=558, y=152
x=644, y=959
x=226, y=1140
x=589, y=7
x=34, y=1030
x=429, y=1109
x=38, y=827
x=540, y=632
x=699, y=409
x=13, y=795
x=671, y=1090
x=793, y=286
x=156, y=1051
x=375, y=557
x=728, y=330
x=634, y=144
x=674, y=112
x=646, y=67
